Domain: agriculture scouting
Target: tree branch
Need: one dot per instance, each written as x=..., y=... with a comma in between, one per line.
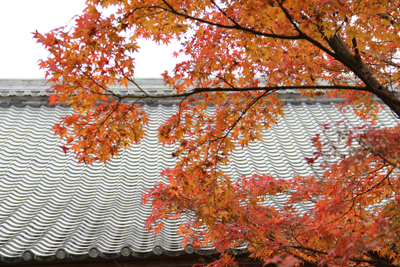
x=306, y=37
x=223, y=12
x=344, y=55
x=234, y=27
x=235, y=89
x=386, y=61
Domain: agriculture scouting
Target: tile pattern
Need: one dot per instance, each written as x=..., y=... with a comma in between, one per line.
x=53, y=207
x=38, y=87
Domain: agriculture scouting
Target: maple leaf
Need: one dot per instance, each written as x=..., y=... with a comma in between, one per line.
x=310, y=160
x=65, y=149
x=53, y=100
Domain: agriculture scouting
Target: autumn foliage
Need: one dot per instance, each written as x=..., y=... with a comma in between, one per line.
x=241, y=55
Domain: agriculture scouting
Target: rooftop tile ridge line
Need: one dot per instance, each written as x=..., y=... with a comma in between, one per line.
x=292, y=141
x=299, y=120
x=20, y=177
x=135, y=215
x=160, y=148
x=119, y=191
x=310, y=114
x=108, y=223
x=389, y=116
x=46, y=130
x=14, y=125
x=41, y=110
x=31, y=128
x=68, y=160
x=2, y=119
x=149, y=239
x=159, y=240
x=86, y=215
x=348, y=117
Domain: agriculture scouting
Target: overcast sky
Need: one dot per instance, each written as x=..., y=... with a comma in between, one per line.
x=19, y=53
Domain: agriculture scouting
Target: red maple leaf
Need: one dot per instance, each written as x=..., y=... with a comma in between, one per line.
x=65, y=149
x=53, y=100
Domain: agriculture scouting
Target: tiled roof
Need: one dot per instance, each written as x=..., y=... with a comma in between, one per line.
x=52, y=207
x=38, y=87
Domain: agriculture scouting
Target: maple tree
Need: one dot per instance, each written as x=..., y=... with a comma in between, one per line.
x=241, y=55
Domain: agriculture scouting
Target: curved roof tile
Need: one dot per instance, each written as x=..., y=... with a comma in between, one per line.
x=51, y=206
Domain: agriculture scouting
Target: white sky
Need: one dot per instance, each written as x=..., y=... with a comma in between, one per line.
x=19, y=52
